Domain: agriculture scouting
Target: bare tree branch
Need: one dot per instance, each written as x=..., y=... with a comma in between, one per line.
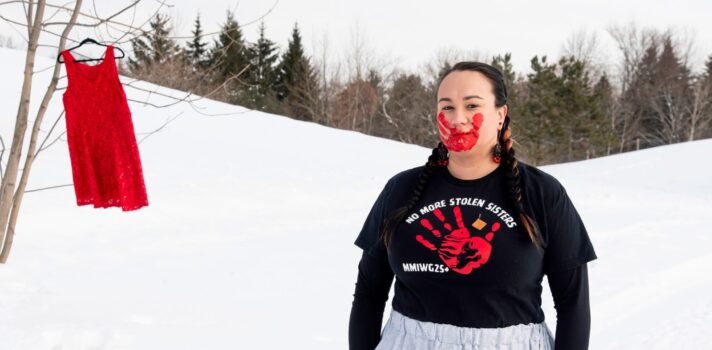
x=48, y=188
x=10, y=201
x=10, y=205
x=168, y=121
x=39, y=149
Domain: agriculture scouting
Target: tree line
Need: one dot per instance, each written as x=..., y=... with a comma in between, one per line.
x=563, y=110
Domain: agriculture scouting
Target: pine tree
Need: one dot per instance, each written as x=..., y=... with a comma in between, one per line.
x=708, y=67
x=263, y=76
x=154, y=47
x=297, y=79
x=446, y=66
x=374, y=78
x=658, y=96
x=540, y=131
x=504, y=64
x=580, y=114
x=672, y=92
x=229, y=56
x=519, y=118
x=635, y=101
x=196, y=48
x=409, y=108
x=705, y=90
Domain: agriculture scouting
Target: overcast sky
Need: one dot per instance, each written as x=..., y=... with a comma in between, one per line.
x=410, y=33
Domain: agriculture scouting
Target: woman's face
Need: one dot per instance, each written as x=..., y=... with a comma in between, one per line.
x=467, y=117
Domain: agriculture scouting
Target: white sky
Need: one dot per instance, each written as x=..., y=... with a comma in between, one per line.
x=410, y=33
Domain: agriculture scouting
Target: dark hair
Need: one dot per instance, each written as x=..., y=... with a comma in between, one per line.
x=439, y=157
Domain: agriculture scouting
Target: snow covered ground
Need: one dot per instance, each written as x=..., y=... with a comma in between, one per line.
x=248, y=244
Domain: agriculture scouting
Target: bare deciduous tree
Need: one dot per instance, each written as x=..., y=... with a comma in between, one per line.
x=14, y=177
x=11, y=192
x=632, y=43
x=700, y=108
x=585, y=46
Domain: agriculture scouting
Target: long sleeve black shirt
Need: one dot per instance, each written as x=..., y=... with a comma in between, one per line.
x=494, y=278
x=568, y=287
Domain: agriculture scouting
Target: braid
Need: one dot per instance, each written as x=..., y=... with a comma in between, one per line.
x=438, y=158
x=514, y=188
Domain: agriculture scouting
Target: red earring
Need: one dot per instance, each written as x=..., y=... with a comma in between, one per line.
x=497, y=156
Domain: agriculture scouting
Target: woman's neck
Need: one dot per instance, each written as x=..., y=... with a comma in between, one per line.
x=470, y=166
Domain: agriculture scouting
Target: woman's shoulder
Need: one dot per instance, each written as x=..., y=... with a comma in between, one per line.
x=407, y=175
x=539, y=182
x=401, y=184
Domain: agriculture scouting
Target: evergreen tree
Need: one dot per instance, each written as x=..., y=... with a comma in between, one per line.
x=705, y=91
x=635, y=100
x=297, y=80
x=504, y=64
x=229, y=56
x=196, y=48
x=446, y=66
x=540, y=129
x=580, y=114
x=409, y=112
x=658, y=96
x=263, y=76
x=155, y=46
x=514, y=105
x=374, y=78
x=673, y=90
x=563, y=119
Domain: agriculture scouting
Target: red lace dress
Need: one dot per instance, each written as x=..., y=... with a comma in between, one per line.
x=106, y=166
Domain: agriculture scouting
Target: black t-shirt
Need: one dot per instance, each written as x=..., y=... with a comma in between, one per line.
x=461, y=256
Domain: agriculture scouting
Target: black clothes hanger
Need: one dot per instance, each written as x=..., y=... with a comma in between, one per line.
x=89, y=40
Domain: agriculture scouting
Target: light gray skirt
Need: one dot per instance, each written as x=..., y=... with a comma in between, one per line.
x=403, y=332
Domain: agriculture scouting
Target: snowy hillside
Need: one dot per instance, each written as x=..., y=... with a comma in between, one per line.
x=248, y=244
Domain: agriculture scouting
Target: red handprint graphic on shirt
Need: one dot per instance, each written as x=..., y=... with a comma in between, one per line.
x=459, y=250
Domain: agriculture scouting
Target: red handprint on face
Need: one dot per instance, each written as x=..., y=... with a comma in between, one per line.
x=459, y=250
x=454, y=139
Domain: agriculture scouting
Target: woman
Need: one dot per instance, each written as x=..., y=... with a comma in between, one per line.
x=468, y=237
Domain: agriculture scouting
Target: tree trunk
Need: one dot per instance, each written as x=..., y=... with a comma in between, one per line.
x=10, y=196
